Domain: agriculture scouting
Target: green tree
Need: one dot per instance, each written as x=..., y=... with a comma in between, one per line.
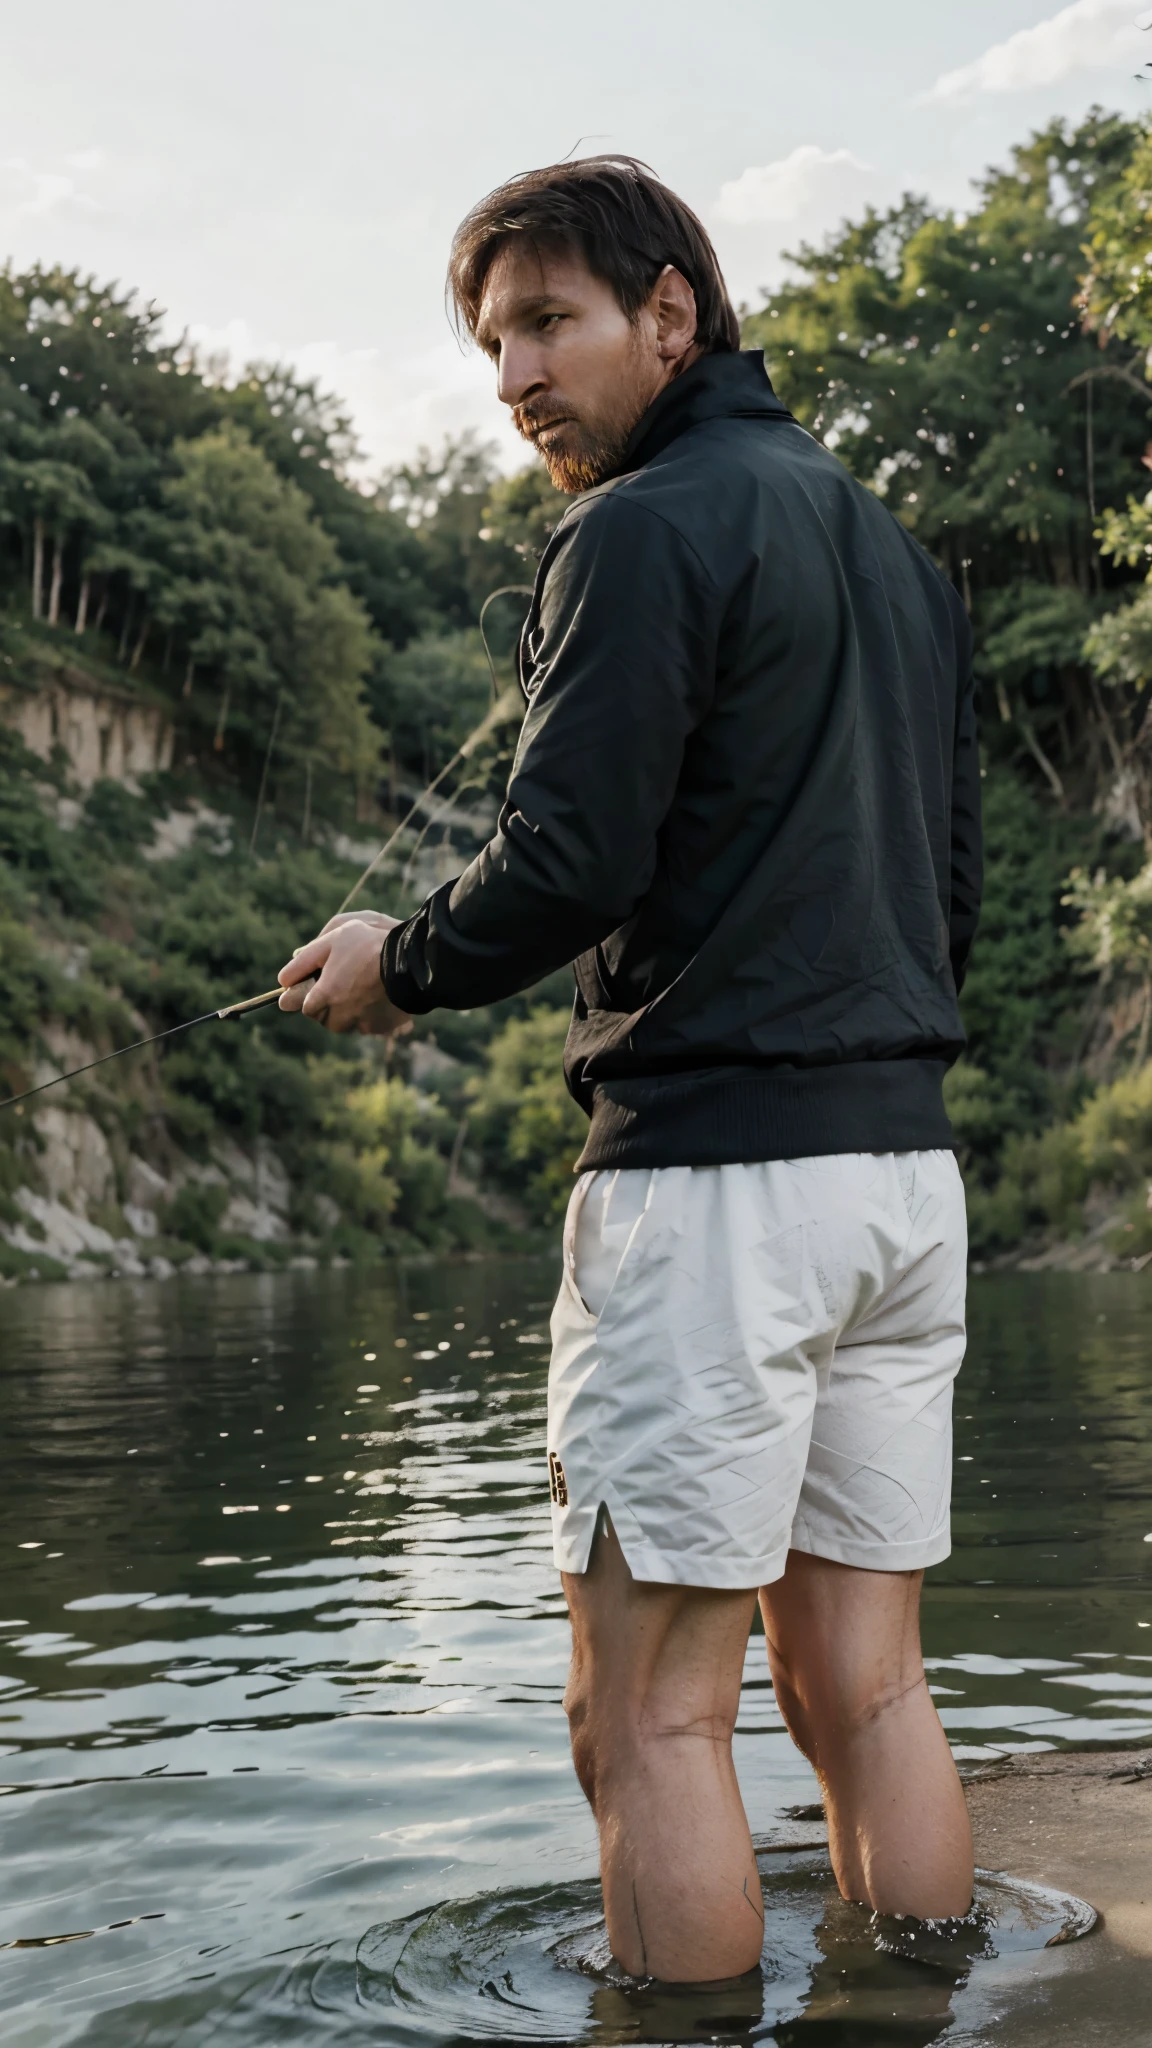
x=188, y=558
x=382, y=1161
x=524, y=1118
x=257, y=591
x=520, y=516
x=477, y=530
x=310, y=440
x=430, y=696
x=944, y=359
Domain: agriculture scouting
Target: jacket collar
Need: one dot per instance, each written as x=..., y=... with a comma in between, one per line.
x=734, y=385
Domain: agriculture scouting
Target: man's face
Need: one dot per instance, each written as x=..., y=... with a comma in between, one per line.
x=577, y=373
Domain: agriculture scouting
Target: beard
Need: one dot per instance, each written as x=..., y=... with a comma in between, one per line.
x=586, y=448
x=577, y=454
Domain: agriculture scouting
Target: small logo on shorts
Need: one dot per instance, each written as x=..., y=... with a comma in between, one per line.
x=557, y=1484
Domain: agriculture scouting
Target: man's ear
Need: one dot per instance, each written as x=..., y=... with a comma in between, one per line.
x=672, y=304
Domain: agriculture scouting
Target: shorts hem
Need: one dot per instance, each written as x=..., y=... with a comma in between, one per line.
x=876, y=1557
x=572, y=1546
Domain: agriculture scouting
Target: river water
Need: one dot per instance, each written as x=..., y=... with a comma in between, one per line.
x=282, y=1656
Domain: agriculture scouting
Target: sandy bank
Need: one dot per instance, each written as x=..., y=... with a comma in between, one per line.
x=1081, y=1822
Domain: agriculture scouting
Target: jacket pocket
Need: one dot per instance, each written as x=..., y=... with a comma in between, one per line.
x=594, y=981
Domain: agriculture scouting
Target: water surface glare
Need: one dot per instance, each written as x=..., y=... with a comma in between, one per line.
x=282, y=1650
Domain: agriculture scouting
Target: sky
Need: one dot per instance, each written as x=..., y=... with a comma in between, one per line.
x=284, y=176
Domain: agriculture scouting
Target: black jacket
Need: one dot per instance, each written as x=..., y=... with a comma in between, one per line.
x=746, y=795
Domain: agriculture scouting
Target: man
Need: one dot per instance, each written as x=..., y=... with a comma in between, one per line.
x=745, y=801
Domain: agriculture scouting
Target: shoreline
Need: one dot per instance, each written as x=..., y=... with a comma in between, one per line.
x=1079, y=1821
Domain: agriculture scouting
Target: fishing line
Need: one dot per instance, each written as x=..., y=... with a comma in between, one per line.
x=503, y=707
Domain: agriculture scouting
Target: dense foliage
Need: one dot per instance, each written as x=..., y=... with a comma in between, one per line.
x=101, y=940
x=218, y=548
x=217, y=544
x=978, y=370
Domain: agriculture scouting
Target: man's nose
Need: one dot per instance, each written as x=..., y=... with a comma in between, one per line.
x=520, y=373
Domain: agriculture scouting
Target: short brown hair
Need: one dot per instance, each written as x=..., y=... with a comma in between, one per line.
x=624, y=222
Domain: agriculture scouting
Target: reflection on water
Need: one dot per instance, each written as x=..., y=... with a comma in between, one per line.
x=282, y=1655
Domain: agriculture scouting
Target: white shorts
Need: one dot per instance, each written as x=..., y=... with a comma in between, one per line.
x=747, y=1359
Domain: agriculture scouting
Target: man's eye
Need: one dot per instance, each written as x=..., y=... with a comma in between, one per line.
x=550, y=319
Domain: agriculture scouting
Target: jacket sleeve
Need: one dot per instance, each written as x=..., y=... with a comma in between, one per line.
x=620, y=657
x=967, y=848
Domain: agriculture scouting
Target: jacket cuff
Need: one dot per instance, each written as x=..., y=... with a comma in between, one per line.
x=400, y=985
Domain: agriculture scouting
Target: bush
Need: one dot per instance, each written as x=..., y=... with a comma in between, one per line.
x=1114, y=1130
x=115, y=947
x=527, y=1123
x=1045, y=1177
x=1023, y=1003
x=193, y=1215
x=17, y=1265
x=382, y=1168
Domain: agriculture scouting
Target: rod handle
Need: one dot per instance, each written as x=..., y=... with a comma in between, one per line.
x=271, y=995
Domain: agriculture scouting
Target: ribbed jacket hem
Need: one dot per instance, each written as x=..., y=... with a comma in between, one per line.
x=727, y=1115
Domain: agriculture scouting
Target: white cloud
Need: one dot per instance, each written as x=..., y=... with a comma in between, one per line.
x=1088, y=35
x=397, y=404
x=26, y=193
x=809, y=180
x=772, y=208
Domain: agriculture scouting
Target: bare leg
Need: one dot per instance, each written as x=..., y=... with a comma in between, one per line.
x=844, y=1651
x=651, y=1701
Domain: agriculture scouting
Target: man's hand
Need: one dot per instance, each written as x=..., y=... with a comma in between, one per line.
x=378, y=918
x=348, y=994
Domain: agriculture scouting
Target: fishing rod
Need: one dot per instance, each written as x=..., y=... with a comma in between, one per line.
x=210, y=1017
x=505, y=704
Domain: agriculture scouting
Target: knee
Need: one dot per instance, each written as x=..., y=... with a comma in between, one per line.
x=634, y=1738
x=825, y=1708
